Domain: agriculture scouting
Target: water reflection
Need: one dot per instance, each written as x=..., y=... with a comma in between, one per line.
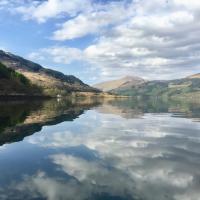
x=110, y=150
x=21, y=118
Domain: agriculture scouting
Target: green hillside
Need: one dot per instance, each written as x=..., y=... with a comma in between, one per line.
x=176, y=89
x=10, y=74
x=51, y=82
x=14, y=83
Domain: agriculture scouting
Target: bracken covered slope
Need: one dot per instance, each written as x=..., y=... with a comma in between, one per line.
x=13, y=83
x=52, y=82
x=123, y=83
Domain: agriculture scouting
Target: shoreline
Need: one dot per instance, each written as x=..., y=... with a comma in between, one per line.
x=71, y=95
x=23, y=97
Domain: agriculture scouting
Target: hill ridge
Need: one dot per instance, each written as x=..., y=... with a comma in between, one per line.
x=119, y=83
x=53, y=82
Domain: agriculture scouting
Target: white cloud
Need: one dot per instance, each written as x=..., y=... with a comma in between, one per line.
x=57, y=54
x=91, y=22
x=155, y=39
x=52, y=8
x=191, y=4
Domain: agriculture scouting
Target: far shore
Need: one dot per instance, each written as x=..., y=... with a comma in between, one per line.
x=71, y=95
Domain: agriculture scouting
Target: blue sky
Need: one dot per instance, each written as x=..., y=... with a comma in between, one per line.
x=105, y=39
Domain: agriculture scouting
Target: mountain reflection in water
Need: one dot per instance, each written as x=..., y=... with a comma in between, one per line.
x=109, y=150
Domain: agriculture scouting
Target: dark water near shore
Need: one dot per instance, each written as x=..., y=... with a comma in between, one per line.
x=91, y=150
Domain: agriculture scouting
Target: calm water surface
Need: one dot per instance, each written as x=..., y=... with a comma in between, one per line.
x=85, y=150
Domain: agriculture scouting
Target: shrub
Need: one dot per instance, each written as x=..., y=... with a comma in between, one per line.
x=11, y=74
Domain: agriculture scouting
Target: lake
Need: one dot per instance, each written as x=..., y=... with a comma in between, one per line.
x=99, y=150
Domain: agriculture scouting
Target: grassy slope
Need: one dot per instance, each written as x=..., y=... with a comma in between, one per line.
x=14, y=83
x=52, y=82
x=124, y=82
x=181, y=88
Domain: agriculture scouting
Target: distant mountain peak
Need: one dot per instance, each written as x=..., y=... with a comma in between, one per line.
x=194, y=76
x=123, y=82
x=131, y=77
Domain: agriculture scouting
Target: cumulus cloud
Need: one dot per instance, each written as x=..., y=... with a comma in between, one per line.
x=155, y=39
x=91, y=22
x=156, y=44
x=63, y=54
x=44, y=10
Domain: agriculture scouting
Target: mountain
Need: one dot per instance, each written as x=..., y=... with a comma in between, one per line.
x=15, y=84
x=50, y=81
x=194, y=76
x=188, y=88
x=123, y=83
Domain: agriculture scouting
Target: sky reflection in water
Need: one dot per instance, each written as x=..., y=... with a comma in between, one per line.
x=109, y=151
